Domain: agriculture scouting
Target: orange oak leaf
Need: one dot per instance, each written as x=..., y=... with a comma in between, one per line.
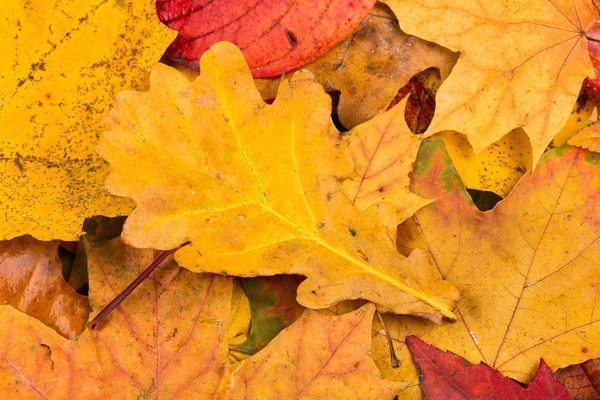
x=275, y=36
x=317, y=357
x=581, y=380
x=521, y=65
x=254, y=187
x=383, y=150
x=166, y=340
x=31, y=281
x=527, y=270
x=588, y=138
x=370, y=66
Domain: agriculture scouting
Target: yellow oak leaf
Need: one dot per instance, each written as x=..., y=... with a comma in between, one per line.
x=254, y=187
x=383, y=150
x=166, y=340
x=528, y=270
x=62, y=62
x=31, y=281
x=317, y=357
x=521, y=64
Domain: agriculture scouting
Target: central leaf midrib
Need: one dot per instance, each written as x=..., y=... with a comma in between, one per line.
x=339, y=252
x=367, y=267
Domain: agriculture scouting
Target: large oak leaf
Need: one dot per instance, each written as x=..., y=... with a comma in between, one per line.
x=317, y=357
x=254, y=187
x=166, y=340
x=528, y=270
x=62, y=62
x=521, y=64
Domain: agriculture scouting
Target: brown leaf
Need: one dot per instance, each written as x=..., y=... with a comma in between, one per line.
x=581, y=380
x=31, y=281
x=370, y=66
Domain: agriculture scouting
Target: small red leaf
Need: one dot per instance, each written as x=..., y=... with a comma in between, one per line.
x=594, y=51
x=448, y=376
x=276, y=36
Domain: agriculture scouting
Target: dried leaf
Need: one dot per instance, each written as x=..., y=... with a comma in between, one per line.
x=31, y=281
x=581, y=380
x=527, y=271
x=594, y=52
x=166, y=340
x=331, y=362
x=521, y=65
x=253, y=187
x=446, y=375
x=275, y=36
x=370, y=66
x=62, y=63
x=274, y=307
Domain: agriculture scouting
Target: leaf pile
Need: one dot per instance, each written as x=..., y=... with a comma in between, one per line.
x=414, y=214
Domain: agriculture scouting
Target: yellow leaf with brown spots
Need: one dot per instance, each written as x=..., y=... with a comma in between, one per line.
x=317, y=357
x=521, y=64
x=166, y=340
x=254, y=187
x=62, y=63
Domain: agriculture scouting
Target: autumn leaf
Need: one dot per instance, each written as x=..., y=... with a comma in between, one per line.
x=420, y=106
x=316, y=357
x=581, y=380
x=594, y=52
x=497, y=168
x=31, y=281
x=587, y=138
x=527, y=270
x=275, y=36
x=520, y=65
x=274, y=307
x=62, y=64
x=446, y=375
x=166, y=340
x=240, y=180
x=370, y=66
x=383, y=150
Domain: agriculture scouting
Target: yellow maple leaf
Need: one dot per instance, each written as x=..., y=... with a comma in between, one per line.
x=528, y=270
x=254, y=187
x=62, y=62
x=317, y=357
x=521, y=64
x=167, y=340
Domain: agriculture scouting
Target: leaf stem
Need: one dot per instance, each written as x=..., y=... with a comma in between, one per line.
x=394, y=359
x=123, y=295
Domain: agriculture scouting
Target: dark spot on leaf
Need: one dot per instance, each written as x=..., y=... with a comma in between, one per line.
x=291, y=37
x=584, y=349
x=352, y=231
